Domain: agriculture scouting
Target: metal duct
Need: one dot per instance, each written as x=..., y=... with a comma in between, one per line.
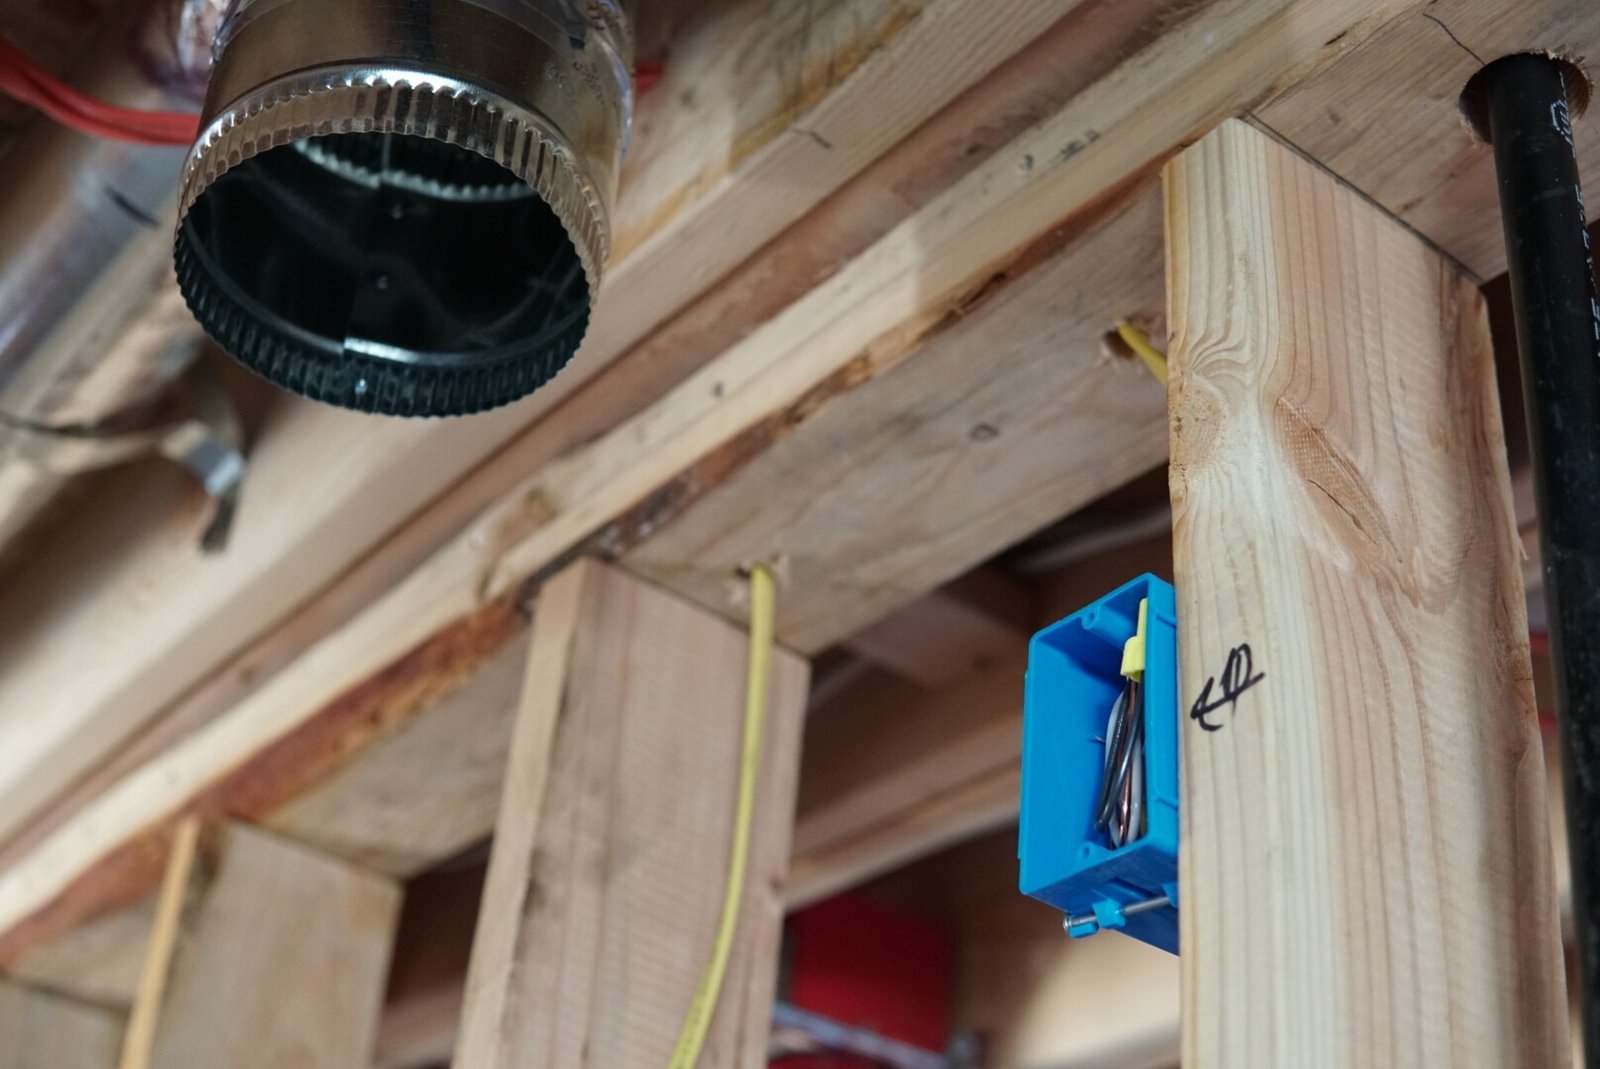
x=84, y=245
x=402, y=206
x=83, y=221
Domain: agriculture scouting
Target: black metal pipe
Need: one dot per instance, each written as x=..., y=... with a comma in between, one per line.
x=1529, y=110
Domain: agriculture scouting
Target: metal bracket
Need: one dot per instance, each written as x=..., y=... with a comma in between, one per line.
x=208, y=445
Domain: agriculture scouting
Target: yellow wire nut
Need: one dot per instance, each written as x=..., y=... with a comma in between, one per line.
x=763, y=613
x=1133, y=649
x=1139, y=342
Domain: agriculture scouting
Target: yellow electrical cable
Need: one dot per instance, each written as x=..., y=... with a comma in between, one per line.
x=1139, y=342
x=763, y=609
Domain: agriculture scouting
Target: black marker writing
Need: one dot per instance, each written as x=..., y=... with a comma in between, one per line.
x=1235, y=680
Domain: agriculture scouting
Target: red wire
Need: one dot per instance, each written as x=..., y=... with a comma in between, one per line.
x=25, y=80
x=646, y=73
x=79, y=109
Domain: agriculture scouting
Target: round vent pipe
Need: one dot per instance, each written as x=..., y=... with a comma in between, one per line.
x=402, y=206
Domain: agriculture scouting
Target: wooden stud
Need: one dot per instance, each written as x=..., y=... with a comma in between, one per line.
x=282, y=962
x=605, y=885
x=1366, y=872
x=42, y=1030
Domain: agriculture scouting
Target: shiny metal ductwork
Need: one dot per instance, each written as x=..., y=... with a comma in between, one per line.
x=85, y=230
x=402, y=206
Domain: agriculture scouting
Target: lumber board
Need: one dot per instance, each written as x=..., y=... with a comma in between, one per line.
x=1366, y=774
x=281, y=962
x=916, y=284
x=950, y=632
x=98, y=962
x=894, y=773
x=929, y=277
x=1386, y=118
x=129, y=582
x=598, y=915
x=868, y=511
x=42, y=1030
x=421, y=794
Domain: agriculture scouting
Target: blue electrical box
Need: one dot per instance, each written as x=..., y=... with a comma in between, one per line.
x=1075, y=675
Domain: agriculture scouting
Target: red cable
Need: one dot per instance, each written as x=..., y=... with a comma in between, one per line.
x=25, y=80
x=67, y=103
x=646, y=73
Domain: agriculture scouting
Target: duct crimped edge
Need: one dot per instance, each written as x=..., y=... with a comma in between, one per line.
x=383, y=99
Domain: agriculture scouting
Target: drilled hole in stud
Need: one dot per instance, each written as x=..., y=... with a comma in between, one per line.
x=1474, y=101
x=1112, y=345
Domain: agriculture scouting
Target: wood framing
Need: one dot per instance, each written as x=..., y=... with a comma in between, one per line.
x=787, y=105
x=604, y=891
x=900, y=375
x=979, y=619
x=281, y=962
x=1386, y=116
x=1366, y=870
x=957, y=249
x=894, y=773
x=41, y=1030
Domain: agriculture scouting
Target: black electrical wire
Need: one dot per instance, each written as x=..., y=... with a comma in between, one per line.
x=1529, y=102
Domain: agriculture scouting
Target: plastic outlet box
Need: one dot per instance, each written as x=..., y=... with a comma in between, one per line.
x=1073, y=680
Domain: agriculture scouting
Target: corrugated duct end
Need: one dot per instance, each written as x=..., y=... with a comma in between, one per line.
x=371, y=224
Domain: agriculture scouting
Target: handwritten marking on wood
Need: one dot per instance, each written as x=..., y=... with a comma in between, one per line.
x=1238, y=676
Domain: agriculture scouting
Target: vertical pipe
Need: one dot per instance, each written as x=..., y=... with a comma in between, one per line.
x=1558, y=334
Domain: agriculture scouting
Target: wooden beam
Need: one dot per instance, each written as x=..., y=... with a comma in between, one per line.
x=1385, y=117
x=98, y=962
x=1366, y=866
x=922, y=290
x=716, y=170
x=894, y=773
x=41, y=1030
x=282, y=962
x=956, y=417
x=602, y=898
x=965, y=625
x=424, y=794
